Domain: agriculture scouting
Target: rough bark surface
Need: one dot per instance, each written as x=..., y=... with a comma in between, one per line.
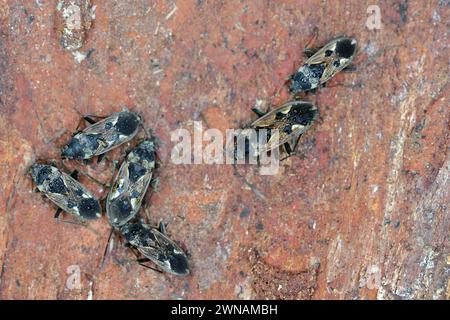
x=363, y=213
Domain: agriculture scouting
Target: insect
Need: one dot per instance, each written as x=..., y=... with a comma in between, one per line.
x=155, y=246
x=102, y=136
x=283, y=125
x=74, y=19
x=323, y=64
x=65, y=191
x=131, y=183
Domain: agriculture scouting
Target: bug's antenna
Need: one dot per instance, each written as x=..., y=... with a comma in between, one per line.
x=105, y=252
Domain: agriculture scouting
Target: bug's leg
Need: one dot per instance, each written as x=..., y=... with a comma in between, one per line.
x=162, y=227
x=74, y=174
x=308, y=50
x=258, y=112
x=350, y=68
x=133, y=250
x=58, y=213
x=127, y=245
x=100, y=157
x=287, y=147
x=89, y=119
x=104, y=185
x=116, y=165
x=147, y=134
x=142, y=263
x=80, y=123
x=57, y=217
x=291, y=151
x=105, y=252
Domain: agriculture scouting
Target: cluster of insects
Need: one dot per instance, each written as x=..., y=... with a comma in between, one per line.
x=291, y=120
x=284, y=126
x=125, y=197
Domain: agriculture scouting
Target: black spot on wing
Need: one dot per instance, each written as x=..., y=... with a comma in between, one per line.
x=89, y=208
x=57, y=186
x=179, y=263
x=287, y=129
x=71, y=204
x=317, y=70
x=120, y=211
x=137, y=234
x=135, y=171
x=81, y=146
x=345, y=48
x=302, y=113
x=145, y=151
x=127, y=123
x=108, y=125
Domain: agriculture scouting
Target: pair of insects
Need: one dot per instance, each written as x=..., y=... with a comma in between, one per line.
x=127, y=192
x=293, y=118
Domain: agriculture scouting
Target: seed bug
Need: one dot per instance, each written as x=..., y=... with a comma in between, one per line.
x=74, y=19
x=65, y=191
x=323, y=64
x=155, y=246
x=286, y=123
x=131, y=183
x=102, y=136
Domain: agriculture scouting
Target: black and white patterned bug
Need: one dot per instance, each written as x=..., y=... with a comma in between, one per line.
x=66, y=192
x=283, y=125
x=155, y=246
x=131, y=183
x=102, y=136
x=323, y=64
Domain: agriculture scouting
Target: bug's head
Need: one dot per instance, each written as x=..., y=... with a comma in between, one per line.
x=145, y=150
x=72, y=150
x=40, y=172
x=346, y=48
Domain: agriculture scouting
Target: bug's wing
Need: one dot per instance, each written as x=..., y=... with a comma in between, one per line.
x=269, y=120
x=121, y=183
x=107, y=136
x=100, y=126
x=73, y=186
x=165, y=253
x=276, y=120
x=278, y=138
x=330, y=70
x=319, y=57
x=62, y=199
